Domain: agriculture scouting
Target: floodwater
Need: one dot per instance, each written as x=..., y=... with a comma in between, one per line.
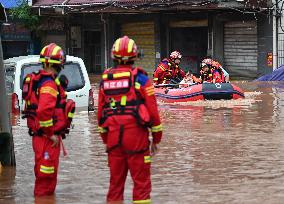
x=211, y=152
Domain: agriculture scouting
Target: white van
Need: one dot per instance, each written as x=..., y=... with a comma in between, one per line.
x=79, y=87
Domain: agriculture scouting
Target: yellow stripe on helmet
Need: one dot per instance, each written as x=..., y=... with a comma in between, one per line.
x=116, y=45
x=55, y=50
x=43, y=50
x=130, y=45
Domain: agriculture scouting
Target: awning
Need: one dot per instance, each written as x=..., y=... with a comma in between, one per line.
x=48, y=3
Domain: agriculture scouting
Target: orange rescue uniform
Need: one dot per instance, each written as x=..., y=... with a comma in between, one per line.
x=127, y=109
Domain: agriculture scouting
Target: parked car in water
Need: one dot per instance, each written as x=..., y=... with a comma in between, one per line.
x=79, y=87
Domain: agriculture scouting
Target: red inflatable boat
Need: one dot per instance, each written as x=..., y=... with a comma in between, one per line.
x=205, y=91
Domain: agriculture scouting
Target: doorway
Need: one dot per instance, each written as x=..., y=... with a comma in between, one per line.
x=93, y=55
x=192, y=43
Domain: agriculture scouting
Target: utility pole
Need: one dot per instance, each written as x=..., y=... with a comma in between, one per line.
x=7, y=156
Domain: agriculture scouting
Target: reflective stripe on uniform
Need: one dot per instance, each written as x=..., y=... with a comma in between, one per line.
x=147, y=159
x=28, y=79
x=49, y=90
x=123, y=100
x=148, y=201
x=156, y=79
x=117, y=75
x=102, y=130
x=162, y=67
x=57, y=81
x=70, y=115
x=46, y=169
x=150, y=90
x=112, y=103
x=46, y=123
x=137, y=85
x=122, y=74
x=157, y=128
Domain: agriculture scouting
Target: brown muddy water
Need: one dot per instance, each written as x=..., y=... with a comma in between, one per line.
x=211, y=152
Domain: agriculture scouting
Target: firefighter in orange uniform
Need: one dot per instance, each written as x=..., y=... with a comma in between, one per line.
x=169, y=69
x=127, y=109
x=42, y=93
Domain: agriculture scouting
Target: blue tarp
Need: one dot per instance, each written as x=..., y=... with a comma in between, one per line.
x=11, y=3
x=276, y=75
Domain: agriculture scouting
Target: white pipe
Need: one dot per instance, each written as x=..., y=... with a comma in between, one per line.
x=275, y=29
x=105, y=40
x=4, y=116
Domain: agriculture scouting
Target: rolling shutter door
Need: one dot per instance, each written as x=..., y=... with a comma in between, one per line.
x=240, y=48
x=143, y=34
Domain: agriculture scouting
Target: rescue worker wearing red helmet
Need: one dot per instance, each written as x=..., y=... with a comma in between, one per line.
x=208, y=61
x=127, y=109
x=169, y=69
x=43, y=97
x=217, y=73
x=205, y=73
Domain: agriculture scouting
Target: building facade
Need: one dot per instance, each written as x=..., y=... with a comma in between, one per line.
x=16, y=39
x=239, y=35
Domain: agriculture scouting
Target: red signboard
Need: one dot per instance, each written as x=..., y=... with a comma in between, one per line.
x=269, y=59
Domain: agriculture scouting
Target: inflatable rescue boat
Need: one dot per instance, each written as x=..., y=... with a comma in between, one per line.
x=205, y=91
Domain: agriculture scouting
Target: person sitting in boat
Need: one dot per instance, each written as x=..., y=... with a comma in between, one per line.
x=168, y=70
x=205, y=74
x=189, y=79
x=209, y=62
x=217, y=73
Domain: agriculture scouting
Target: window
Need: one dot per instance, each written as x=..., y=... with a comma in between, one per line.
x=74, y=75
x=71, y=70
x=28, y=69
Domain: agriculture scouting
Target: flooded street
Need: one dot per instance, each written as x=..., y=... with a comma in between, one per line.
x=211, y=152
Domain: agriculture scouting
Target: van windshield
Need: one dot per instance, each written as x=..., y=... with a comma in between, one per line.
x=71, y=70
x=9, y=78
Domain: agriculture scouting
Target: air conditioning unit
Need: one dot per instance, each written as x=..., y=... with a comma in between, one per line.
x=75, y=36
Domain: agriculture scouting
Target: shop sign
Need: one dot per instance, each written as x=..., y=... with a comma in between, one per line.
x=269, y=59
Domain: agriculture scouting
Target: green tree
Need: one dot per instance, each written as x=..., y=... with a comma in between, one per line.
x=24, y=13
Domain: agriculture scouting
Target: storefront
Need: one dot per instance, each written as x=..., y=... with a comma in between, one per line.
x=16, y=40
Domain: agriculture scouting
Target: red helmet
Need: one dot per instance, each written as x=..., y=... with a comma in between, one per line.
x=175, y=55
x=203, y=64
x=124, y=49
x=207, y=61
x=52, y=54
